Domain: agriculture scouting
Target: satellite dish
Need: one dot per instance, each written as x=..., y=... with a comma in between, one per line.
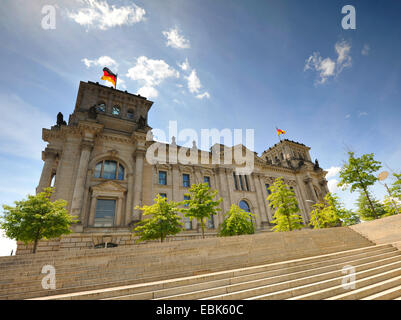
x=382, y=176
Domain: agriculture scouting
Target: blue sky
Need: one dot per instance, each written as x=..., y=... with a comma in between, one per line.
x=208, y=64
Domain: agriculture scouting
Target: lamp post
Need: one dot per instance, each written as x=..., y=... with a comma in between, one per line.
x=317, y=221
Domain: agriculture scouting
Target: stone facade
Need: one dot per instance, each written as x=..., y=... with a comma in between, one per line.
x=101, y=155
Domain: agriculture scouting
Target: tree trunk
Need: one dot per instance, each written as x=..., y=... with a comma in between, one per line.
x=35, y=244
x=203, y=229
x=289, y=223
x=371, y=204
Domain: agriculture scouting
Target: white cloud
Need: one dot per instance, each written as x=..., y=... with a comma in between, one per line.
x=361, y=114
x=151, y=73
x=327, y=67
x=100, y=14
x=21, y=127
x=332, y=185
x=203, y=95
x=332, y=171
x=103, y=61
x=148, y=92
x=185, y=65
x=194, y=83
x=175, y=40
x=347, y=116
x=365, y=50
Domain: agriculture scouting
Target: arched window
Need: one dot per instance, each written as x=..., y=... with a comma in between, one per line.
x=244, y=206
x=130, y=114
x=116, y=111
x=109, y=169
x=101, y=107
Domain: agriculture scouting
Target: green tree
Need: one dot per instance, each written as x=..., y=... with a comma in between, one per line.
x=365, y=204
x=396, y=186
x=359, y=174
x=163, y=221
x=392, y=206
x=327, y=212
x=37, y=218
x=201, y=204
x=349, y=218
x=284, y=201
x=237, y=222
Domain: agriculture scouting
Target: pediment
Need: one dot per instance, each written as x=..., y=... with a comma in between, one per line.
x=109, y=186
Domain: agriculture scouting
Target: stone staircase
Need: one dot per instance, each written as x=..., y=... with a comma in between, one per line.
x=304, y=264
x=378, y=276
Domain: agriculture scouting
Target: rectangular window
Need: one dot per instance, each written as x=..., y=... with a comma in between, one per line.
x=186, y=198
x=206, y=180
x=241, y=183
x=185, y=180
x=187, y=223
x=105, y=210
x=235, y=181
x=246, y=183
x=210, y=223
x=109, y=170
x=163, y=177
x=163, y=195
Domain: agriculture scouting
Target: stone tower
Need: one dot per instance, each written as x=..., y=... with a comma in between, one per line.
x=95, y=162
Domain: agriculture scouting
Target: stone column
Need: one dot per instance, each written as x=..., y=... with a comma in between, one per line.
x=130, y=194
x=92, y=211
x=266, y=205
x=310, y=193
x=139, y=156
x=175, y=182
x=79, y=189
x=119, y=212
x=221, y=177
x=49, y=157
x=259, y=196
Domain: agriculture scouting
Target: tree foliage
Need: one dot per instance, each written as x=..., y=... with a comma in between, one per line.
x=284, y=201
x=364, y=207
x=395, y=188
x=201, y=204
x=349, y=218
x=163, y=220
x=358, y=173
x=236, y=222
x=327, y=212
x=37, y=218
x=392, y=206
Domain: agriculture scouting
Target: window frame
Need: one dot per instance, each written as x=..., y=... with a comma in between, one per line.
x=114, y=213
x=116, y=107
x=101, y=174
x=165, y=177
x=184, y=181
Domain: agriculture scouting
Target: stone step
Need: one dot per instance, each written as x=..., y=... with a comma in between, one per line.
x=392, y=293
x=250, y=281
x=98, y=270
x=384, y=290
x=284, y=289
x=338, y=290
x=257, y=272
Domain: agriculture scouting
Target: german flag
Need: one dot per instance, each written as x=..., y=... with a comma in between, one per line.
x=109, y=76
x=279, y=131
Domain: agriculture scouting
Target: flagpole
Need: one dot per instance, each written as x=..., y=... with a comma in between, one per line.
x=278, y=134
x=115, y=87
